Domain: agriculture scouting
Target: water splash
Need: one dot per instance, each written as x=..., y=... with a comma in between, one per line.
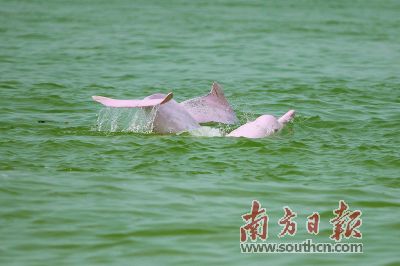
x=138, y=120
x=206, y=131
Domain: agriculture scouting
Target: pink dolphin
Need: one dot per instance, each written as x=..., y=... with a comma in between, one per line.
x=211, y=108
x=171, y=117
x=263, y=126
x=174, y=117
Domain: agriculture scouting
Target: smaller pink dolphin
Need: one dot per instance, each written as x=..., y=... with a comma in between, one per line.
x=263, y=126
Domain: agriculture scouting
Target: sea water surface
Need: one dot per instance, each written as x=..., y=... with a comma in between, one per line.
x=73, y=195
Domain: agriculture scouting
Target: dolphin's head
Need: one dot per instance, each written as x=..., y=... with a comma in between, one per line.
x=269, y=123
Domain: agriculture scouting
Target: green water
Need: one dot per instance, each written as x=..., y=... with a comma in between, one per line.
x=71, y=195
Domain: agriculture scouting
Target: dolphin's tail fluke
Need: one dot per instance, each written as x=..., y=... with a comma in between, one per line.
x=109, y=102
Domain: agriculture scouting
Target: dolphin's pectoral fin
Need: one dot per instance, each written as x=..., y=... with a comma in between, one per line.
x=109, y=102
x=287, y=117
x=212, y=107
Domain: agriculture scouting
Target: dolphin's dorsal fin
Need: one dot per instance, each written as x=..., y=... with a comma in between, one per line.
x=217, y=90
x=212, y=107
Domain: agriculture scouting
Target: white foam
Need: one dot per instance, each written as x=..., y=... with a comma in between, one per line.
x=206, y=132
